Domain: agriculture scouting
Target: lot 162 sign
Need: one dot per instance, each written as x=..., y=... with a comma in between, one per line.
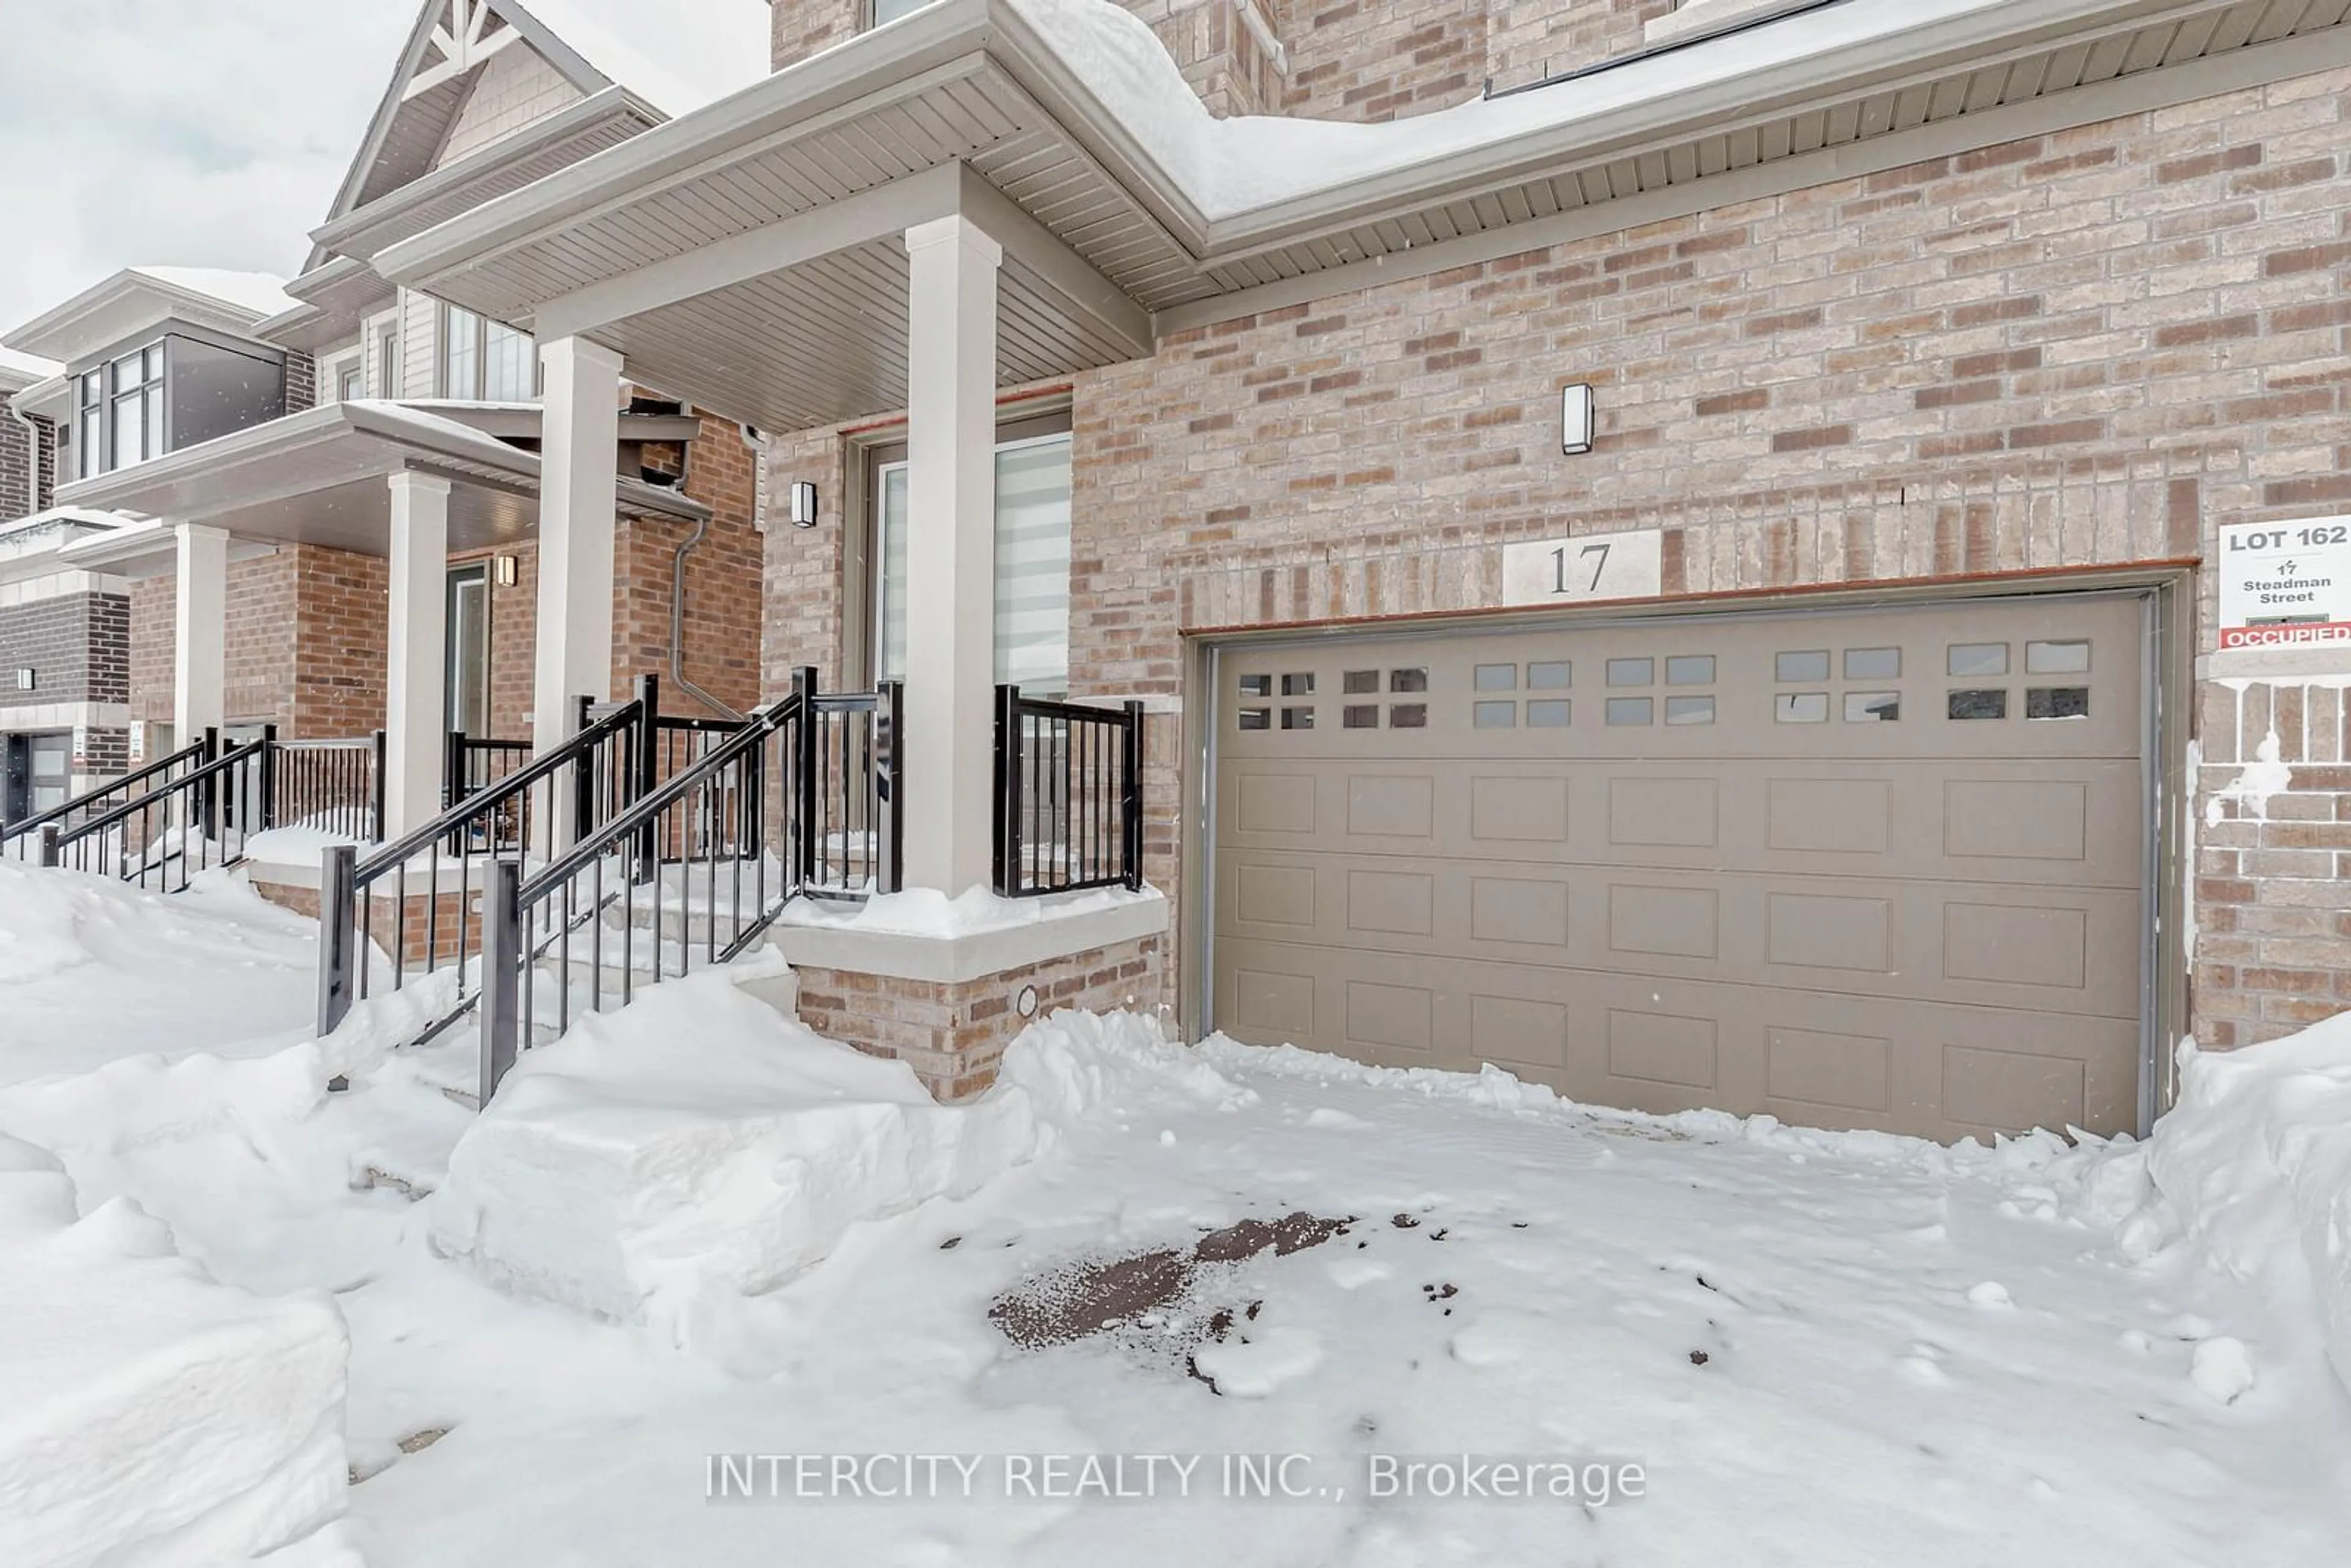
x=2286, y=585
x=1584, y=569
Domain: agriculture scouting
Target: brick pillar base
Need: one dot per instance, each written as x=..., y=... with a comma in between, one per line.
x=437, y=928
x=953, y=1032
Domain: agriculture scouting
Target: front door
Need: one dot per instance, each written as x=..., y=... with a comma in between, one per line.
x=467, y=661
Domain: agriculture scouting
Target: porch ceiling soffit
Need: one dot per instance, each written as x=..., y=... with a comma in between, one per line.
x=1798, y=99
x=317, y=478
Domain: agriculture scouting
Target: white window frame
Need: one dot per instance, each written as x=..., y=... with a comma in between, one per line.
x=352, y=364
x=876, y=549
x=485, y=334
x=383, y=333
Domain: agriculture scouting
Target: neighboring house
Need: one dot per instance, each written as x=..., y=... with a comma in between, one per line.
x=265, y=502
x=63, y=635
x=1804, y=720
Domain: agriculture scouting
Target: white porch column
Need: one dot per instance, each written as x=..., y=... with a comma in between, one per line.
x=579, y=491
x=200, y=633
x=415, y=687
x=950, y=552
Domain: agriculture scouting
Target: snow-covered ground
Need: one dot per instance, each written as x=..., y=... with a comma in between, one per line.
x=93, y=970
x=1818, y=1349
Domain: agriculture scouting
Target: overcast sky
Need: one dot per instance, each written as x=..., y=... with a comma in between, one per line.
x=177, y=132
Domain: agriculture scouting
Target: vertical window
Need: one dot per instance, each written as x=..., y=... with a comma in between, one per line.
x=891, y=10
x=387, y=360
x=132, y=429
x=461, y=353
x=349, y=383
x=466, y=660
x=1032, y=565
x=510, y=365
x=89, y=431
x=486, y=362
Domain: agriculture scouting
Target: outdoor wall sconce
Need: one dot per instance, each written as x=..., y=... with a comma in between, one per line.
x=509, y=572
x=803, y=504
x=24, y=678
x=1576, y=419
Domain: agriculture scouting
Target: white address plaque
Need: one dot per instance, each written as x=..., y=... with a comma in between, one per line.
x=1586, y=570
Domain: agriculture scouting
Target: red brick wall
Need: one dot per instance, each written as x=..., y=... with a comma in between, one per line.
x=954, y=1034
x=151, y=639
x=263, y=596
x=342, y=600
x=514, y=625
x=804, y=570
x=723, y=590
x=304, y=647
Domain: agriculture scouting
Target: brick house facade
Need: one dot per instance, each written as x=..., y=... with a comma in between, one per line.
x=2069, y=352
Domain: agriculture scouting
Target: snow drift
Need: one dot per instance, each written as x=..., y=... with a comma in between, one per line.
x=661, y=1164
x=147, y=1414
x=213, y=968
x=2253, y=1167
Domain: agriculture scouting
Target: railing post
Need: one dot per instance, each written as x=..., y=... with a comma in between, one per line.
x=453, y=777
x=648, y=772
x=337, y=866
x=375, y=791
x=49, y=844
x=208, y=791
x=890, y=832
x=584, y=794
x=1130, y=804
x=801, y=827
x=453, y=768
x=268, y=777
x=503, y=975
x=1011, y=787
x=1001, y=808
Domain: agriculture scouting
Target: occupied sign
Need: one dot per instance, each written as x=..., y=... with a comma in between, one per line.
x=2286, y=585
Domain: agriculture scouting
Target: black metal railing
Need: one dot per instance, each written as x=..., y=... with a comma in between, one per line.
x=192, y=821
x=1069, y=795
x=685, y=875
x=412, y=907
x=847, y=822
x=336, y=786
x=679, y=743
x=471, y=764
x=801, y=799
x=20, y=839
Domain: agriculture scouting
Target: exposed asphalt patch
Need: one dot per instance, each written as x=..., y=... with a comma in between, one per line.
x=1144, y=1295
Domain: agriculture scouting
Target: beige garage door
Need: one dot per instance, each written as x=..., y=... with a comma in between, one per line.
x=1874, y=870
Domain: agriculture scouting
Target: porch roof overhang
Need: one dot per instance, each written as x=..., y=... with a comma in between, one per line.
x=747, y=256
x=317, y=478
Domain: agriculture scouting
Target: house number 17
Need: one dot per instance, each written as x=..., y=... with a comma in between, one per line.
x=1559, y=566
x=1583, y=568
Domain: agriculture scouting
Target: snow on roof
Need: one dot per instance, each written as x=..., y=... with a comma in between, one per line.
x=1226, y=167
x=695, y=55
x=261, y=293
